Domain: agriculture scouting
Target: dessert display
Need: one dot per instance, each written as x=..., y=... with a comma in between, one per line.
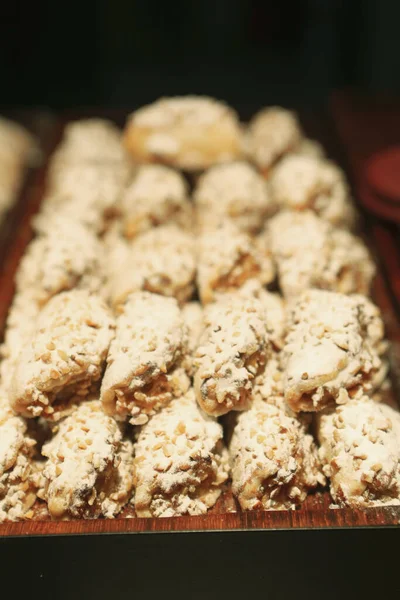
x=192, y=328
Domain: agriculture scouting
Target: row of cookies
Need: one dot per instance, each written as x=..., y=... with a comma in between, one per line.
x=148, y=365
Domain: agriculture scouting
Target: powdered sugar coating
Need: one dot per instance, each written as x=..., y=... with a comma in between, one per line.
x=272, y=133
x=235, y=191
x=85, y=192
x=91, y=140
x=180, y=462
x=310, y=253
x=65, y=356
x=189, y=132
x=157, y=195
x=227, y=259
x=144, y=371
x=68, y=255
x=161, y=261
x=274, y=460
x=302, y=182
x=86, y=472
x=360, y=450
x=232, y=352
x=334, y=350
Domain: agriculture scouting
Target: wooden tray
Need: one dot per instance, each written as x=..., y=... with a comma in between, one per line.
x=315, y=512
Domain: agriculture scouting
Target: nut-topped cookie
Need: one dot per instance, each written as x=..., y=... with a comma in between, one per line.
x=66, y=256
x=310, y=253
x=85, y=192
x=233, y=350
x=274, y=460
x=228, y=259
x=144, y=365
x=160, y=260
x=88, y=141
x=360, y=451
x=302, y=182
x=334, y=350
x=18, y=470
x=89, y=468
x=186, y=132
x=64, y=357
x=272, y=133
x=156, y=196
x=232, y=191
x=180, y=462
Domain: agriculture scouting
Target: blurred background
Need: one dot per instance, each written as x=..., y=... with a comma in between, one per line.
x=249, y=52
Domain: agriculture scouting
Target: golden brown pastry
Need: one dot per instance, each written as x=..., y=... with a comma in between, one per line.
x=186, y=132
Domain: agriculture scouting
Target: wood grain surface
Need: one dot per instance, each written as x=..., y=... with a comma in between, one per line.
x=225, y=516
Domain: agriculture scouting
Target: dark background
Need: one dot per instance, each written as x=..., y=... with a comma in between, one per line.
x=249, y=52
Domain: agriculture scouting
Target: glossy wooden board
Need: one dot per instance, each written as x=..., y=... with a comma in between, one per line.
x=225, y=516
